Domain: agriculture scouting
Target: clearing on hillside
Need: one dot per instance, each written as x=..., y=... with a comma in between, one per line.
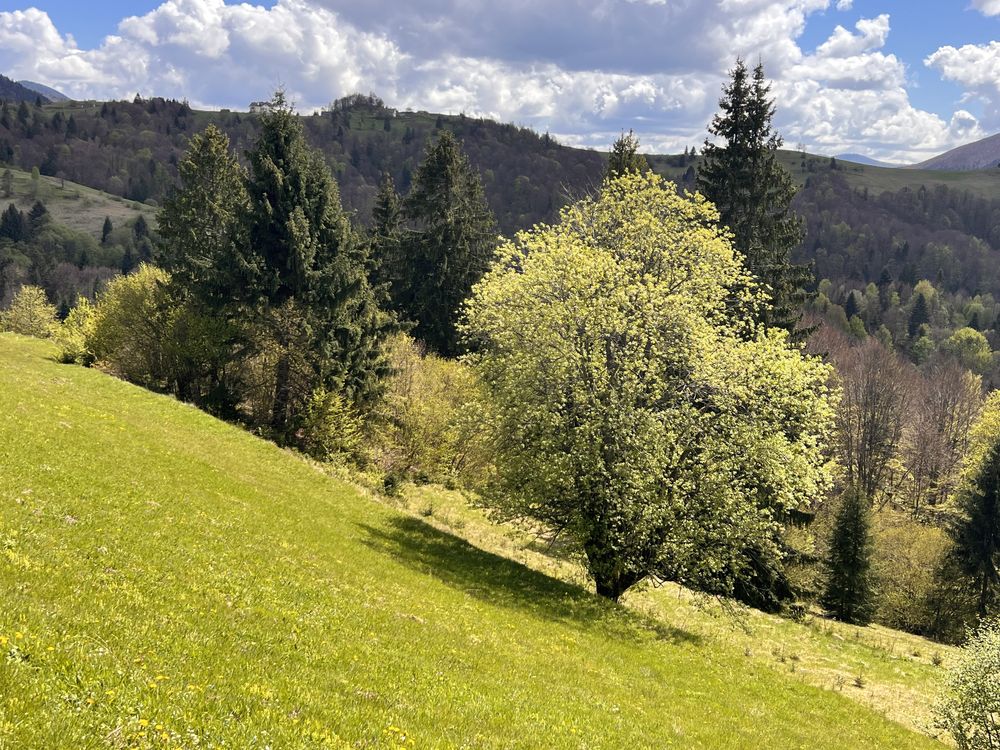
x=167, y=580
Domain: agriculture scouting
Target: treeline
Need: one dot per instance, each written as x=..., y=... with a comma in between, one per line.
x=132, y=149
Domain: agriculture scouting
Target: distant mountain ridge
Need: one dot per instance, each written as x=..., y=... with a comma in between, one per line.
x=866, y=160
x=984, y=154
x=12, y=91
x=47, y=91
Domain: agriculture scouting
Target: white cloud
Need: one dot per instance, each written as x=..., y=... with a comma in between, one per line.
x=976, y=68
x=845, y=4
x=580, y=69
x=987, y=7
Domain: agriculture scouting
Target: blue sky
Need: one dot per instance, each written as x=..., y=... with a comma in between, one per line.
x=893, y=79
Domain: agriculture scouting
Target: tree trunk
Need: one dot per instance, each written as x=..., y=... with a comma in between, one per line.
x=612, y=587
x=282, y=394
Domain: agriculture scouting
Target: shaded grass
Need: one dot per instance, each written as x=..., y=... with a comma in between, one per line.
x=167, y=580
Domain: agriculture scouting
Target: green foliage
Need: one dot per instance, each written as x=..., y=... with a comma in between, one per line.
x=201, y=221
x=625, y=157
x=970, y=348
x=303, y=266
x=428, y=426
x=331, y=427
x=75, y=334
x=753, y=193
x=387, y=266
x=970, y=705
x=30, y=314
x=976, y=532
x=449, y=250
x=849, y=594
x=633, y=412
x=127, y=330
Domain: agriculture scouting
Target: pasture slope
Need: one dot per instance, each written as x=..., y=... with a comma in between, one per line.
x=168, y=580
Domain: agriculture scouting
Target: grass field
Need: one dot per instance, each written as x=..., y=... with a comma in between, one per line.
x=75, y=206
x=167, y=580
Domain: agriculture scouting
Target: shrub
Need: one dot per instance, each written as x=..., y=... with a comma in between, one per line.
x=30, y=314
x=129, y=330
x=970, y=706
x=429, y=426
x=74, y=334
x=331, y=427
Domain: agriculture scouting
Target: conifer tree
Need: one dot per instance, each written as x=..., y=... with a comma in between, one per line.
x=625, y=157
x=385, y=237
x=753, y=192
x=202, y=221
x=976, y=534
x=7, y=183
x=919, y=315
x=849, y=594
x=106, y=230
x=13, y=224
x=451, y=246
x=304, y=273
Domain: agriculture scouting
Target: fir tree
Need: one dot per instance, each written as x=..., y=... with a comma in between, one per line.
x=385, y=255
x=452, y=245
x=304, y=272
x=920, y=315
x=106, y=230
x=753, y=192
x=140, y=229
x=625, y=157
x=12, y=224
x=976, y=534
x=849, y=594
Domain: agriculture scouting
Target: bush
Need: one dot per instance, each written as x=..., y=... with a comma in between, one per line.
x=429, y=425
x=907, y=567
x=29, y=314
x=970, y=706
x=331, y=427
x=129, y=329
x=74, y=334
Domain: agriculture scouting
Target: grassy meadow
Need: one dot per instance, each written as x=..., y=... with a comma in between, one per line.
x=75, y=206
x=168, y=580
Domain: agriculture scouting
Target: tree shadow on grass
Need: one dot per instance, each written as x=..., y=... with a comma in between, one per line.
x=505, y=583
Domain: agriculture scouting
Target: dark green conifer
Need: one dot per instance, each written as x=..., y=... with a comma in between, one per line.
x=976, y=533
x=106, y=230
x=451, y=246
x=753, y=192
x=919, y=315
x=625, y=157
x=850, y=594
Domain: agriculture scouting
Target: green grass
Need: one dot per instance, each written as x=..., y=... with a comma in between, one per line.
x=167, y=580
x=73, y=205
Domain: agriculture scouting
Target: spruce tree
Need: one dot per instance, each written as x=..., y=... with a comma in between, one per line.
x=919, y=315
x=202, y=222
x=13, y=225
x=625, y=157
x=106, y=230
x=849, y=594
x=304, y=273
x=753, y=193
x=451, y=246
x=976, y=533
x=385, y=260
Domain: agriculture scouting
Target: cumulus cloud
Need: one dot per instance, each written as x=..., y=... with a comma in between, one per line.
x=976, y=68
x=580, y=69
x=987, y=7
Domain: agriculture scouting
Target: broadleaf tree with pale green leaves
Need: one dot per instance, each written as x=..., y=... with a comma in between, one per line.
x=631, y=411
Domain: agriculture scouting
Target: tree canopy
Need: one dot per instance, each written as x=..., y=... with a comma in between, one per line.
x=753, y=192
x=633, y=412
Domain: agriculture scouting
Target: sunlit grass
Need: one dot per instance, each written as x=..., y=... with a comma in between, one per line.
x=167, y=580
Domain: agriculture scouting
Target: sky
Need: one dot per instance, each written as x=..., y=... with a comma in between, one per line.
x=900, y=80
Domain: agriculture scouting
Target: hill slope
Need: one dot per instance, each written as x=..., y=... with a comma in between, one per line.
x=982, y=154
x=167, y=580
x=47, y=91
